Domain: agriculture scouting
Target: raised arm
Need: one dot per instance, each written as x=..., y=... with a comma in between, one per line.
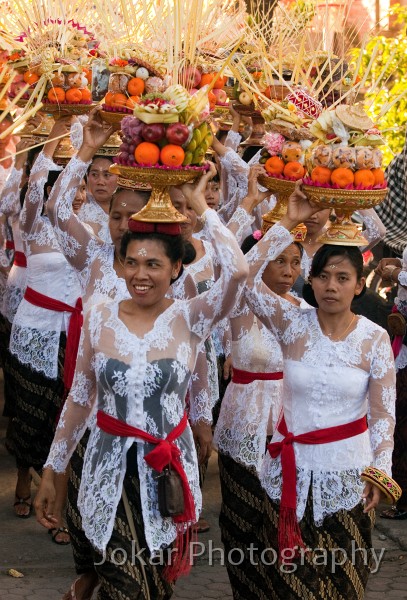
x=73, y=236
x=275, y=312
x=374, y=229
x=4, y=259
x=212, y=306
x=34, y=199
x=10, y=198
x=242, y=219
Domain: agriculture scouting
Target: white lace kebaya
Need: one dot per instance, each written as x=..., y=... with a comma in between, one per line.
x=326, y=383
x=36, y=331
x=401, y=303
x=93, y=214
x=91, y=257
x=142, y=381
x=249, y=411
x=10, y=206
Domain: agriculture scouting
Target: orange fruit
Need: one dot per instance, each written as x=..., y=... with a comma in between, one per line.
x=206, y=79
x=136, y=86
x=56, y=94
x=73, y=96
x=132, y=101
x=118, y=100
x=86, y=94
x=30, y=77
x=378, y=175
x=342, y=177
x=220, y=82
x=172, y=155
x=109, y=98
x=321, y=175
x=147, y=153
x=294, y=170
x=274, y=165
x=364, y=177
x=88, y=74
x=212, y=100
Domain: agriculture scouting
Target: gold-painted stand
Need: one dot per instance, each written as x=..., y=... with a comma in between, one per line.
x=159, y=208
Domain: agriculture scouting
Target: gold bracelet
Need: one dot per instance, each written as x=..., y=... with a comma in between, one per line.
x=386, y=484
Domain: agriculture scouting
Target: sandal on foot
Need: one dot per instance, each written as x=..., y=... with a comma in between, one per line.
x=21, y=502
x=394, y=513
x=55, y=531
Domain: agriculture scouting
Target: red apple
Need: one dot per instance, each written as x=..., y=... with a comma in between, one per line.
x=153, y=132
x=177, y=133
x=190, y=77
x=221, y=96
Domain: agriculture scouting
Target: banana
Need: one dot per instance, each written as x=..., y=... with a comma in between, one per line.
x=198, y=156
x=197, y=136
x=203, y=128
x=192, y=146
x=188, y=159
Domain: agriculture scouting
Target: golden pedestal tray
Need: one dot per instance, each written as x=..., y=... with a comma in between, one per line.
x=114, y=118
x=283, y=189
x=258, y=131
x=71, y=109
x=159, y=208
x=343, y=232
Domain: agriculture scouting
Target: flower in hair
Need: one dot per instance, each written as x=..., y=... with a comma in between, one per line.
x=257, y=234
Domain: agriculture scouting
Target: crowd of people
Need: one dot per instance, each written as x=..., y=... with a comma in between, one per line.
x=131, y=349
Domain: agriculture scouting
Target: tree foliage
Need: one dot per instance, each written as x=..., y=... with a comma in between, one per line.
x=380, y=90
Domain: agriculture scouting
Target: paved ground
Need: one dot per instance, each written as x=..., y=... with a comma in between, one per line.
x=48, y=569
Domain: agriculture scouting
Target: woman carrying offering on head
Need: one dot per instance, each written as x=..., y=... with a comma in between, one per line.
x=330, y=455
x=134, y=365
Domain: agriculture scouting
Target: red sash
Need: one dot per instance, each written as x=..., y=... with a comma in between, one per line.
x=19, y=259
x=74, y=330
x=165, y=453
x=289, y=533
x=246, y=377
x=10, y=245
x=397, y=342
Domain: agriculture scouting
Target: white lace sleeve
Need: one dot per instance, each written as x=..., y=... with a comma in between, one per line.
x=273, y=311
x=30, y=222
x=402, y=278
x=234, y=184
x=200, y=405
x=374, y=230
x=72, y=234
x=79, y=404
x=212, y=306
x=382, y=399
x=10, y=198
x=240, y=224
x=232, y=140
x=4, y=260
